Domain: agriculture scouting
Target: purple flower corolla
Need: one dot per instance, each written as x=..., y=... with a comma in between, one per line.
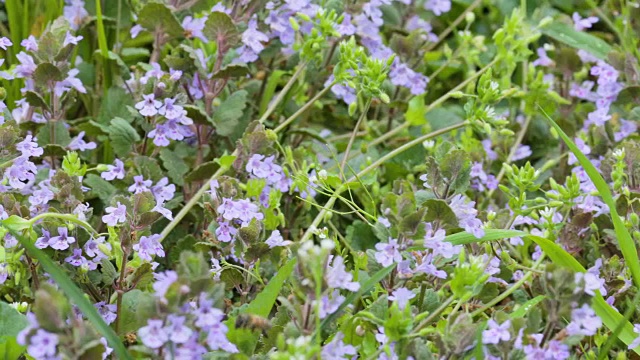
x=4, y=273
x=140, y=185
x=42, y=344
x=5, y=42
x=401, y=75
x=78, y=143
x=163, y=281
x=543, y=59
x=342, y=91
x=225, y=232
x=170, y=110
x=636, y=342
x=584, y=321
x=76, y=259
x=149, y=246
x=92, y=248
x=598, y=117
x=435, y=240
x=253, y=40
x=487, y=146
x=388, y=253
x=30, y=43
x=29, y=147
x=62, y=241
x=115, y=215
x=338, y=277
x=402, y=296
x=242, y=209
x=27, y=66
x=193, y=27
x=217, y=339
x=20, y=173
x=179, y=333
x=427, y=267
x=346, y=28
x=75, y=13
x=205, y=314
x=153, y=335
x=275, y=239
x=329, y=306
x=135, y=30
x=522, y=152
x=466, y=215
x=149, y=106
x=70, y=39
x=416, y=23
x=384, y=221
x=336, y=349
x=163, y=191
x=626, y=129
x=438, y=7
x=580, y=23
x=496, y=332
x=43, y=241
x=107, y=311
x=114, y=171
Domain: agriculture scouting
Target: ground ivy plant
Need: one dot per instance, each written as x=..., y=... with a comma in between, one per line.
x=295, y=179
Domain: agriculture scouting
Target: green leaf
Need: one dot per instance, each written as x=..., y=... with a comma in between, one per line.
x=610, y=316
x=100, y=187
x=523, y=309
x=175, y=165
x=625, y=242
x=11, y=321
x=155, y=16
x=463, y=238
x=229, y=71
x=578, y=39
x=137, y=308
x=270, y=89
x=114, y=104
x=220, y=28
x=260, y=306
x=75, y=295
x=34, y=99
x=53, y=132
x=417, y=111
x=122, y=136
x=10, y=349
x=47, y=73
x=229, y=112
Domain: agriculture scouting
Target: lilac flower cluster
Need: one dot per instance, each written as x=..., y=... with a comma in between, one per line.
x=22, y=171
x=264, y=167
x=190, y=333
x=176, y=122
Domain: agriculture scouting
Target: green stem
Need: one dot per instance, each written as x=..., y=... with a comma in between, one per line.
x=433, y=315
x=353, y=136
x=509, y=291
x=453, y=25
x=67, y=217
x=304, y=108
x=436, y=103
x=283, y=93
x=370, y=168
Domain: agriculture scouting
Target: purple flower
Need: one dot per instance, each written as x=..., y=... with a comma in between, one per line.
x=140, y=184
x=107, y=311
x=30, y=43
x=388, y=253
x=115, y=215
x=21, y=172
x=583, y=147
x=543, y=59
x=438, y=7
x=346, y=28
x=148, y=247
x=557, y=351
x=43, y=241
x=584, y=321
x=163, y=191
x=153, y=335
x=636, y=341
x=78, y=143
x=27, y=66
x=338, y=277
x=28, y=147
x=401, y=75
x=329, y=306
x=225, y=232
x=62, y=241
x=415, y=23
x=427, y=267
x=135, y=31
x=466, y=214
x=253, y=41
x=149, y=106
x=75, y=13
x=114, y=171
x=217, y=339
x=178, y=332
x=205, y=314
x=275, y=239
x=92, y=249
x=336, y=349
x=435, y=241
x=496, y=333
x=193, y=27
x=5, y=42
x=580, y=23
x=384, y=221
x=70, y=39
x=170, y=110
x=522, y=152
x=4, y=273
x=76, y=259
x=163, y=281
x=402, y=296
x=42, y=344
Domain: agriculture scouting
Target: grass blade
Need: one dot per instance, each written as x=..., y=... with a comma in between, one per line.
x=611, y=318
x=463, y=238
x=75, y=295
x=626, y=243
x=578, y=39
x=524, y=308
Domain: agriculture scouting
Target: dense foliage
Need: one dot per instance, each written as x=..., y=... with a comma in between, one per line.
x=295, y=179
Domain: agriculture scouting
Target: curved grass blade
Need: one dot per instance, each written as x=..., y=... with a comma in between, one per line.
x=365, y=288
x=524, y=308
x=463, y=238
x=626, y=243
x=75, y=295
x=611, y=318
